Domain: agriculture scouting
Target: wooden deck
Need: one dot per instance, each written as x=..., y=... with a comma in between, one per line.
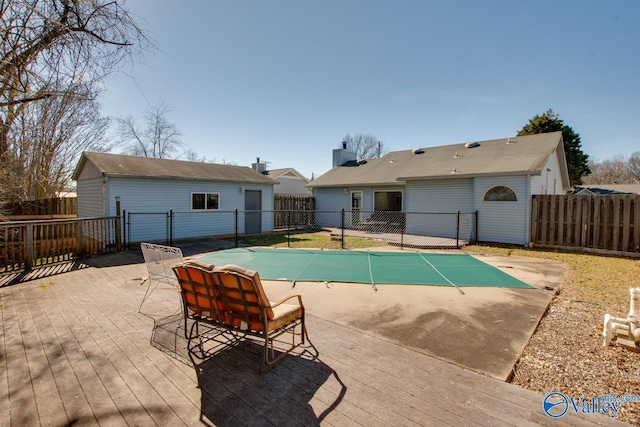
x=75, y=350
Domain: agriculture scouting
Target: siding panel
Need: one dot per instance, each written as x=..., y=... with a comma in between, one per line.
x=329, y=202
x=504, y=222
x=160, y=196
x=90, y=198
x=438, y=198
x=550, y=181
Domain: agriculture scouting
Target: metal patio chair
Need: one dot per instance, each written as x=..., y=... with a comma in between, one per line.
x=159, y=261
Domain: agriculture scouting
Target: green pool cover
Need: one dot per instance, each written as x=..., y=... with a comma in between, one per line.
x=400, y=268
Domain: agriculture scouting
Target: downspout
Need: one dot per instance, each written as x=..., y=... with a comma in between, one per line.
x=527, y=223
x=105, y=196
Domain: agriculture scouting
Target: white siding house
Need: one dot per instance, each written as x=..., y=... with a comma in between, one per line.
x=288, y=180
x=494, y=178
x=203, y=196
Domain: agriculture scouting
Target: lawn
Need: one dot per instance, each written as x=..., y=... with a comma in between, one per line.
x=597, y=279
x=310, y=240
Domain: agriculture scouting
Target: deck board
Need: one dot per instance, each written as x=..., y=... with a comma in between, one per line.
x=75, y=349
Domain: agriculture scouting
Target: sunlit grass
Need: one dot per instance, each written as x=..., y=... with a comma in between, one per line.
x=310, y=240
x=597, y=279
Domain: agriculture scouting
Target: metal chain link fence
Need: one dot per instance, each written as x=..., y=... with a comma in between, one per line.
x=410, y=229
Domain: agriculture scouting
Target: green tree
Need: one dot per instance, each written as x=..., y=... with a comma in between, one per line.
x=577, y=160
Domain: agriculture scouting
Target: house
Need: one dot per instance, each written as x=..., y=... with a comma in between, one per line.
x=495, y=178
x=206, y=194
x=289, y=180
x=607, y=189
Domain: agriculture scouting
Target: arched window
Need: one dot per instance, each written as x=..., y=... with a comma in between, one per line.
x=500, y=193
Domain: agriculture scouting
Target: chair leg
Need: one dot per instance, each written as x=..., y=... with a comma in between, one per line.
x=146, y=293
x=268, y=359
x=185, y=325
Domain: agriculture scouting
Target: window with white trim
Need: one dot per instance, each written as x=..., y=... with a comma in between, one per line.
x=500, y=193
x=205, y=201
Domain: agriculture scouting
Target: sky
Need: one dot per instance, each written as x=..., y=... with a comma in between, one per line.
x=286, y=80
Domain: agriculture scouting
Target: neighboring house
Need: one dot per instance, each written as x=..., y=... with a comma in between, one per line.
x=209, y=193
x=607, y=189
x=496, y=178
x=289, y=180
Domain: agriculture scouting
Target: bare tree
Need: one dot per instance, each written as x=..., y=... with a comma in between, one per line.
x=611, y=171
x=634, y=165
x=156, y=137
x=55, y=52
x=46, y=140
x=192, y=156
x=53, y=45
x=366, y=146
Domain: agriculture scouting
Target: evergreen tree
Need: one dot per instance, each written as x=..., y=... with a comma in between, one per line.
x=577, y=160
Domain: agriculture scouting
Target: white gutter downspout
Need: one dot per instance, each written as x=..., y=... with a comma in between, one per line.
x=527, y=223
x=105, y=196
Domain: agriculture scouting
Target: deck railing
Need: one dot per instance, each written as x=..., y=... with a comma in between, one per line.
x=28, y=244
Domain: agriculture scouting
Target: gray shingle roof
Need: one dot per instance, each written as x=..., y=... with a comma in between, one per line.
x=132, y=166
x=506, y=156
x=276, y=173
x=609, y=189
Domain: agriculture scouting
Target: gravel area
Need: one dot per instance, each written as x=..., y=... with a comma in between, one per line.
x=566, y=354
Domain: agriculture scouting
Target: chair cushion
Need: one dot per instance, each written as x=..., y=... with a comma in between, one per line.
x=283, y=314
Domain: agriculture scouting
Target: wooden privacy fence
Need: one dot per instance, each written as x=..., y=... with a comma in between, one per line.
x=293, y=210
x=597, y=222
x=28, y=244
x=53, y=206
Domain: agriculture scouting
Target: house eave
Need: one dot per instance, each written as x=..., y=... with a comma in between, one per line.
x=356, y=184
x=183, y=178
x=458, y=175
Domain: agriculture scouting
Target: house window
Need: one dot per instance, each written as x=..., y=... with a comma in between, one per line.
x=387, y=201
x=500, y=193
x=205, y=201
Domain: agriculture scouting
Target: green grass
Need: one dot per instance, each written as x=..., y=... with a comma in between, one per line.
x=596, y=279
x=310, y=240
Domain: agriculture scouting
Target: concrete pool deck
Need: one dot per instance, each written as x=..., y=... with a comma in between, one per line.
x=481, y=328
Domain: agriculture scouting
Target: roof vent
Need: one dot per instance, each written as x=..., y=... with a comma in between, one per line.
x=418, y=151
x=454, y=171
x=510, y=141
x=457, y=156
x=472, y=144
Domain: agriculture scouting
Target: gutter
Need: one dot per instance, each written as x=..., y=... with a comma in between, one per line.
x=469, y=175
x=182, y=178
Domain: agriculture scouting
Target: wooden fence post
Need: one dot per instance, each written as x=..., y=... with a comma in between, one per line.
x=29, y=261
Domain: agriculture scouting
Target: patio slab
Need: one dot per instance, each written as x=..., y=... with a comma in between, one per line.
x=484, y=329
